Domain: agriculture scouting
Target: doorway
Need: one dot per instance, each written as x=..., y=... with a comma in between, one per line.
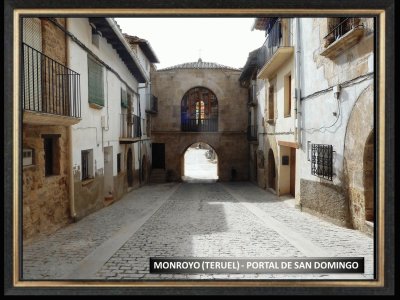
x=158, y=155
x=108, y=171
x=200, y=163
x=129, y=168
x=293, y=171
x=271, y=170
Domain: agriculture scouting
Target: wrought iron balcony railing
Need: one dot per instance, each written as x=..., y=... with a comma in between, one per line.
x=130, y=126
x=252, y=133
x=151, y=104
x=276, y=39
x=48, y=86
x=341, y=29
x=199, y=125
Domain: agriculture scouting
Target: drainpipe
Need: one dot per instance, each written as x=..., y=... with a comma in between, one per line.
x=298, y=85
x=69, y=133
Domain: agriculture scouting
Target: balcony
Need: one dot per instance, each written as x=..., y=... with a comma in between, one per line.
x=252, y=133
x=276, y=50
x=50, y=90
x=199, y=125
x=343, y=36
x=151, y=104
x=130, y=129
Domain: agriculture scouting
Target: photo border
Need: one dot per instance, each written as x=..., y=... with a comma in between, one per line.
x=384, y=234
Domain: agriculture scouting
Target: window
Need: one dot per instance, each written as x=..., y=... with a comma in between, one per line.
x=322, y=161
x=27, y=157
x=119, y=163
x=96, y=83
x=271, y=104
x=87, y=164
x=51, y=155
x=288, y=96
x=124, y=98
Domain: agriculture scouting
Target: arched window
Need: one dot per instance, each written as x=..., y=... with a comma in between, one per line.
x=199, y=110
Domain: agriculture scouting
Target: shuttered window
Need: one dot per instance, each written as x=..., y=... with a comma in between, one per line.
x=124, y=98
x=96, y=82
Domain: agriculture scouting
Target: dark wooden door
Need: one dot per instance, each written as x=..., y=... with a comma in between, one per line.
x=158, y=153
x=292, y=170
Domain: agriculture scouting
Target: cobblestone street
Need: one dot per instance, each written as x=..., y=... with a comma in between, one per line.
x=229, y=220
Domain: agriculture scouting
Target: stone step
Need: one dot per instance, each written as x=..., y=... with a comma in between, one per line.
x=158, y=176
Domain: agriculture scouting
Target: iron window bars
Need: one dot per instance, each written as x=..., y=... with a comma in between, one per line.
x=322, y=161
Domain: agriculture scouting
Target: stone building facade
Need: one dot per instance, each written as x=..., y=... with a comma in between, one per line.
x=108, y=153
x=219, y=121
x=321, y=117
x=337, y=96
x=49, y=107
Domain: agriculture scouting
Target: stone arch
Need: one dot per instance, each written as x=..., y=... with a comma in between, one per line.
x=182, y=156
x=199, y=110
x=359, y=130
x=369, y=178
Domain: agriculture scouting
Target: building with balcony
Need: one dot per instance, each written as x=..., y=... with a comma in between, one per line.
x=147, y=107
x=280, y=130
x=108, y=154
x=199, y=102
x=51, y=103
x=336, y=157
x=255, y=110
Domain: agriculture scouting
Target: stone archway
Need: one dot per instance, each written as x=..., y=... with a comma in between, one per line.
x=199, y=162
x=358, y=147
x=271, y=170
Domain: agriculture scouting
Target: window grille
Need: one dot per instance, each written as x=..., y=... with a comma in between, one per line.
x=322, y=161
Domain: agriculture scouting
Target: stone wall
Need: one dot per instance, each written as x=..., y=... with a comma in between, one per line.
x=45, y=198
x=325, y=200
x=54, y=41
x=230, y=142
x=88, y=194
x=231, y=149
x=170, y=86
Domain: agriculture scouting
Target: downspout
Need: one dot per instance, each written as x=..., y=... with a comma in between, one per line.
x=298, y=86
x=69, y=133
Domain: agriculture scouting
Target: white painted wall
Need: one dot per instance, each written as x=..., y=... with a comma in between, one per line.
x=88, y=134
x=317, y=112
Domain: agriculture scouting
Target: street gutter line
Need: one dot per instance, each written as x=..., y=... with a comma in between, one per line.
x=301, y=243
x=91, y=264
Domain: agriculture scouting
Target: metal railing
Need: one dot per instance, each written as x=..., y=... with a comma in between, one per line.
x=252, y=133
x=199, y=125
x=151, y=103
x=322, y=161
x=275, y=40
x=48, y=86
x=341, y=29
x=130, y=126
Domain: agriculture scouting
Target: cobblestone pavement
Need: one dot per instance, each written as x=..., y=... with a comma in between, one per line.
x=230, y=220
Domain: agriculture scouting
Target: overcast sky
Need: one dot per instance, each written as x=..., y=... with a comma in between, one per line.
x=226, y=41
